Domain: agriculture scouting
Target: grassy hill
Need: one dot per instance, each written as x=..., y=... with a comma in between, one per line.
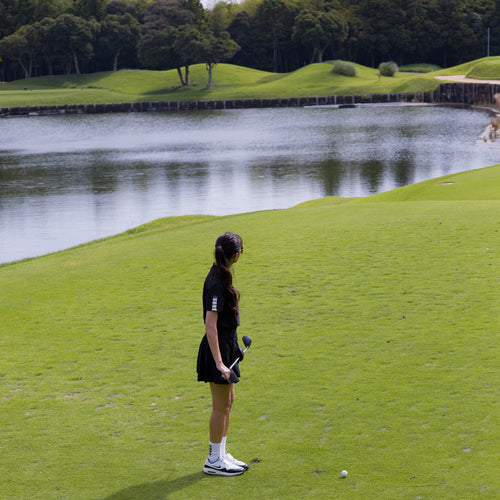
x=230, y=82
x=375, y=350
x=485, y=69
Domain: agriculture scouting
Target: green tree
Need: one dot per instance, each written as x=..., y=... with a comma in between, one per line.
x=135, y=8
x=50, y=8
x=493, y=22
x=187, y=47
x=194, y=45
x=174, y=13
x=241, y=30
x=88, y=9
x=167, y=32
x=452, y=30
x=423, y=31
x=117, y=34
x=44, y=47
x=384, y=29
x=272, y=34
x=7, y=18
x=72, y=39
x=352, y=42
x=216, y=49
x=155, y=50
x=220, y=16
x=17, y=48
x=25, y=12
x=479, y=16
x=320, y=30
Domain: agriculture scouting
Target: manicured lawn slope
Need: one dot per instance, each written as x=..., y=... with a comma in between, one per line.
x=229, y=82
x=470, y=185
x=486, y=69
x=485, y=64
x=375, y=349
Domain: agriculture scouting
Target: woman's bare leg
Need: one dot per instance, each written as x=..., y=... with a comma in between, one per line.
x=222, y=401
x=218, y=461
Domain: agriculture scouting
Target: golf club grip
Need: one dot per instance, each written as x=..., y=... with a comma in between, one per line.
x=224, y=378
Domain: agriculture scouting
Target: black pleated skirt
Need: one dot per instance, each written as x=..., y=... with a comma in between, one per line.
x=207, y=371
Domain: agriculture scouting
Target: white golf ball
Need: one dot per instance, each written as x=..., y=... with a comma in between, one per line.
x=343, y=473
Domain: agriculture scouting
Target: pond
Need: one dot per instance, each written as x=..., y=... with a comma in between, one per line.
x=66, y=180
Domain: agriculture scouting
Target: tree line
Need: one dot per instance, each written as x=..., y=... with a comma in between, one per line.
x=48, y=37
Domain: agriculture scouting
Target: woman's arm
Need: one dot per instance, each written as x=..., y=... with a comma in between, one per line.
x=213, y=342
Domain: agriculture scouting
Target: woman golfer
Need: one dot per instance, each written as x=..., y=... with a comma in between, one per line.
x=218, y=349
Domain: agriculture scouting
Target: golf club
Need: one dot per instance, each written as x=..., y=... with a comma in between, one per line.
x=247, y=342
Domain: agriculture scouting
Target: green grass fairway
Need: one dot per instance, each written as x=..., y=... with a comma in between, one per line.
x=375, y=349
x=229, y=82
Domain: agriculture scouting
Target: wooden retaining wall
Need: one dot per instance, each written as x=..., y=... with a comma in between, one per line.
x=447, y=93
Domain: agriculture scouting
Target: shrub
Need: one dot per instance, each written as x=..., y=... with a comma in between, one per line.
x=345, y=68
x=388, y=68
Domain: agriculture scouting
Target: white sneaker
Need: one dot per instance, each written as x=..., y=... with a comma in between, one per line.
x=233, y=461
x=222, y=467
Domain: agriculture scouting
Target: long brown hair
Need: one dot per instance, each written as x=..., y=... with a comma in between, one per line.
x=226, y=246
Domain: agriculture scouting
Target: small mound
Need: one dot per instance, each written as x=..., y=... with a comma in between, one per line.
x=487, y=69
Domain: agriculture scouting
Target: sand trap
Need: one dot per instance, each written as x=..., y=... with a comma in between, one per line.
x=463, y=79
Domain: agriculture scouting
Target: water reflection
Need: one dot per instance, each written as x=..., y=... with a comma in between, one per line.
x=67, y=180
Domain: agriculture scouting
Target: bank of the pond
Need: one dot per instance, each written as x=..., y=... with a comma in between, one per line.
x=472, y=94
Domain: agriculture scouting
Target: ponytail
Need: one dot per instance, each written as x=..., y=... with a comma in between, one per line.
x=226, y=246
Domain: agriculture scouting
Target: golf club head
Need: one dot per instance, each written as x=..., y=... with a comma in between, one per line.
x=247, y=341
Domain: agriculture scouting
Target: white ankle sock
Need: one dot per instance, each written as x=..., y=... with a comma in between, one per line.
x=223, y=447
x=214, y=451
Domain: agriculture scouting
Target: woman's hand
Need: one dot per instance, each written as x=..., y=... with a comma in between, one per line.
x=226, y=372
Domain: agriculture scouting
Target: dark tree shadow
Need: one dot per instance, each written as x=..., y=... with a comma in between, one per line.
x=156, y=490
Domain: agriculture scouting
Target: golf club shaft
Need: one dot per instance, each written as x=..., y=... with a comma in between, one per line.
x=237, y=359
x=247, y=341
x=234, y=362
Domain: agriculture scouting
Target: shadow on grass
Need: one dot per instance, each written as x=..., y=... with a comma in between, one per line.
x=156, y=490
